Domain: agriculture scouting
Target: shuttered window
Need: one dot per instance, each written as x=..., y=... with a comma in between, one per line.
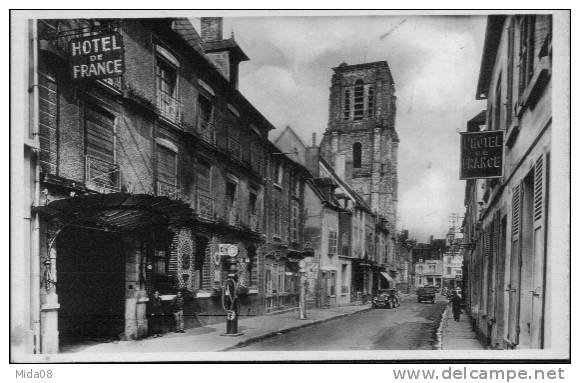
x=510, y=75
x=516, y=213
x=526, y=53
x=100, y=135
x=48, y=112
x=166, y=165
x=538, y=188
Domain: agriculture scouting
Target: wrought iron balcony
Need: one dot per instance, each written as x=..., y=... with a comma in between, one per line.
x=205, y=207
x=102, y=175
x=169, y=107
x=167, y=190
x=206, y=130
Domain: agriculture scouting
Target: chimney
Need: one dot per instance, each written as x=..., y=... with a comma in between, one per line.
x=314, y=139
x=211, y=29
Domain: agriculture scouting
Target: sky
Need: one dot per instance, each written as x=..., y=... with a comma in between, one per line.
x=435, y=64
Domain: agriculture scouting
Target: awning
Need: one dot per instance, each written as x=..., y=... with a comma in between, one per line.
x=388, y=278
x=118, y=210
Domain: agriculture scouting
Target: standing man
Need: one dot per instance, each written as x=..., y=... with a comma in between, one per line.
x=456, y=305
x=155, y=314
x=178, y=311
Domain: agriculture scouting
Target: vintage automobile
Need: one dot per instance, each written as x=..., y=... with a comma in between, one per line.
x=426, y=293
x=386, y=299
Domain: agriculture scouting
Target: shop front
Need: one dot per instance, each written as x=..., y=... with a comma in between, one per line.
x=96, y=258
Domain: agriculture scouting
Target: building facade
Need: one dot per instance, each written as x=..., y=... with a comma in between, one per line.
x=138, y=180
x=507, y=221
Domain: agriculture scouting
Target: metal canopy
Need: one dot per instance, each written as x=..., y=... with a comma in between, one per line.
x=119, y=210
x=388, y=277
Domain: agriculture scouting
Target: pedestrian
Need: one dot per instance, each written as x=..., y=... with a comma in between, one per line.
x=456, y=305
x=155, y=314
x=177, y=305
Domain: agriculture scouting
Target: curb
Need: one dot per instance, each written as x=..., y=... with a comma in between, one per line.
x=439, y=333
x=272, y=334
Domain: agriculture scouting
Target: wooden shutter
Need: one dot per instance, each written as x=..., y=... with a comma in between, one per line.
x=516, y=213
x=100, y=135
x=542, y=30
x=48, y=125
x=539, y=190
x=166, y=165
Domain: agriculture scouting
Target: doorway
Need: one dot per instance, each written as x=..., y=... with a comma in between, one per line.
x=91, y=285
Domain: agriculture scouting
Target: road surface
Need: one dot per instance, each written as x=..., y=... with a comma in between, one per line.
x=412, y=326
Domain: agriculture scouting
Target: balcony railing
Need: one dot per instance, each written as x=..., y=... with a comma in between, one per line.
x=206, y=130
x=235, y=149
x=167, y=190
x=169, y=107
x=102, y=175
x=205, y=207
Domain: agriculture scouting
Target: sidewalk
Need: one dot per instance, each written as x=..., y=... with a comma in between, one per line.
x=209, y=338
x=457, y=335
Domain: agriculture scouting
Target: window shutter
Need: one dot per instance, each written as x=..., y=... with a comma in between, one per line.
x=100, y=136
x=539, y=190
x=516, y=213
x=543, y=26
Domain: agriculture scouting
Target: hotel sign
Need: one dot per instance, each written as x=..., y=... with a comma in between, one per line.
x=96, y=57
x=481, y=154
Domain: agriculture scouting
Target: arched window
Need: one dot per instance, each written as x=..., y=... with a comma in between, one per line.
x=356, y=155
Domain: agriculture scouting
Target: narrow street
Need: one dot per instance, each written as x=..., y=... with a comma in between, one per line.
x=412, y=326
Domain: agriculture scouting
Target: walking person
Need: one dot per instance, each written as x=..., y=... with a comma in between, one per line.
x=456, y=305
x=177, y=305
x=155, y=314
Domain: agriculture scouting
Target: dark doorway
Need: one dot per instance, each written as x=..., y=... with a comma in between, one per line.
x=90, y=287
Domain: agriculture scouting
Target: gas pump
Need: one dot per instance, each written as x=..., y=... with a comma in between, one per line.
x=230, y=291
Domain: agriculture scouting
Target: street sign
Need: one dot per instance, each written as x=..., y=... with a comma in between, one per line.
x=96, y=57
x=233, y=251
x=481, y=154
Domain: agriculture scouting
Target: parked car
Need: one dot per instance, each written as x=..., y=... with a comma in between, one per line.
x=426, y=293
x=386, y=299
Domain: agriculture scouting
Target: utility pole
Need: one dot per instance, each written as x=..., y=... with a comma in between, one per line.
x=302, y=298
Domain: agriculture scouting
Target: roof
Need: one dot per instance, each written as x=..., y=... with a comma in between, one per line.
x=493, y=33
x=184, y=28
x=361, y=202
x=227, y=44
x=289, y=130
x=343, y=67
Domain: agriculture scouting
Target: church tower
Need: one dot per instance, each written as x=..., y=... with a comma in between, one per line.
x=360, y=141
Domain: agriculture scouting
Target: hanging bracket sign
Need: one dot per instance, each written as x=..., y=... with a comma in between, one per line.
x=96, y=57
x=482, y=154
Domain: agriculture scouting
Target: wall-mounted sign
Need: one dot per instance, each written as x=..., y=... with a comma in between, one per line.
x=228, y=249
x=481, y=154
x=97, y=56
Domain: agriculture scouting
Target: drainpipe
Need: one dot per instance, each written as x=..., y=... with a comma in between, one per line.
x=35, y=235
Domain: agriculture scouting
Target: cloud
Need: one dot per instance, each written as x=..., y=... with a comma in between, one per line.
x=435, y=64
